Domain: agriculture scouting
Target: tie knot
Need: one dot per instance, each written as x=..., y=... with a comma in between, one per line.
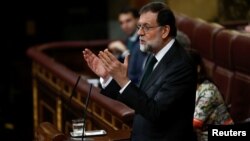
x=152, y=61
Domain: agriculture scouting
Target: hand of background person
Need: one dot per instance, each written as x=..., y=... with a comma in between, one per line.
x=247, y=28
x=117, y=47
x=95, y=64
x=116, y=69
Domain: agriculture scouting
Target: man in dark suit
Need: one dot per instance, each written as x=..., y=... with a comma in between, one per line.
x=164, y=101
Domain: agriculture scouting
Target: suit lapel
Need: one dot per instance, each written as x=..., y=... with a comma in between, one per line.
x=162, y=66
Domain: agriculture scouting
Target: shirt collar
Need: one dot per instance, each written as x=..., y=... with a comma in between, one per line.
x=164, y=50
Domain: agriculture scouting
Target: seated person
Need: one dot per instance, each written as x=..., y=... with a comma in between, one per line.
x=247, y=28
x=209, y=107
x=119, y=49
x=183, y=39
x=128, y=18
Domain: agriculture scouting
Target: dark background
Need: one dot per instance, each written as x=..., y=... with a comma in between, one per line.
x=27, y=24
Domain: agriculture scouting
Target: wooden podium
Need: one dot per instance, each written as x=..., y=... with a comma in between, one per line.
x=120, y=135
x=48, y=132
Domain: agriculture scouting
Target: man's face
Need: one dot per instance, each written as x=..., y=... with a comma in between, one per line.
x=149, y=32
x=128, y=23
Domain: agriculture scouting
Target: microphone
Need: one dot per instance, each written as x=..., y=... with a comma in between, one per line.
x=86, y=110
x=74, y=88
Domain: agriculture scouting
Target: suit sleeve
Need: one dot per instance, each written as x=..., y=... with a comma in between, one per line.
x=177, y=88
x=112, y=90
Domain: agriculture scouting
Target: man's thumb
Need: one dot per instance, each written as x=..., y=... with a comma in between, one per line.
x=126, y=60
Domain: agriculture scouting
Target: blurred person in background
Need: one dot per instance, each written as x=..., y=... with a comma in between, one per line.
x=128, y=18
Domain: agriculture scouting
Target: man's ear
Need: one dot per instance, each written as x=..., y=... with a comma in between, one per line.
x=165, y=31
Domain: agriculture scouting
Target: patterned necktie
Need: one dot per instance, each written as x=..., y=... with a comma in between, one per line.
x=149, y=68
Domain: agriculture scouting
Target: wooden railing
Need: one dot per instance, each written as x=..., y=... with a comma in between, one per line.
x=47, y=132
x=55, y=69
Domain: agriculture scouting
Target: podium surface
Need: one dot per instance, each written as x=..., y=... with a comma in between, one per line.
x=119, y=135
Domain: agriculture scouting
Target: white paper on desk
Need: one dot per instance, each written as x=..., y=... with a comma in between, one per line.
x=89, y=133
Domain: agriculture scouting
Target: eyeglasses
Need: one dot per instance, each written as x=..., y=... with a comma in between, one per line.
x=145, y=28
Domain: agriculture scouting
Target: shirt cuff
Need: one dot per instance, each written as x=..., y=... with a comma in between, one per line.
x=122, y=89
x=105, y=84
x=125, y=53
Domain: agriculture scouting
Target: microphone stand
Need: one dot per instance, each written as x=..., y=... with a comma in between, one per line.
x=85, y=111
x=74, y=88
x=86, y=104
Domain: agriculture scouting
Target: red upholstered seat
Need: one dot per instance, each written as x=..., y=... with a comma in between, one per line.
x=223, y=79
x=188, y=26
x=223, y=73
x=210, y=66
x=240, y=97
x=203, y=41
x=241, y=53
x=226, y=55
x=179, y=18
x=240, y=109
x=204, y=37
x=222, y=48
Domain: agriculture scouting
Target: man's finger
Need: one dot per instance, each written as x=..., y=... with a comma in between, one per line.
x=110, y=55
x=126, y=60
x=88, y=52
x=105, y=57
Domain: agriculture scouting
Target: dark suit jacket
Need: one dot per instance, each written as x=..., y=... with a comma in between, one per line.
x=164, y=105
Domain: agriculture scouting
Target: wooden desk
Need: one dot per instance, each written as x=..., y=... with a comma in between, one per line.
x=120, y=135
x=48, y=132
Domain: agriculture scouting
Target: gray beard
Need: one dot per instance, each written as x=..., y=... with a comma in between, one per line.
x=146, y=48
